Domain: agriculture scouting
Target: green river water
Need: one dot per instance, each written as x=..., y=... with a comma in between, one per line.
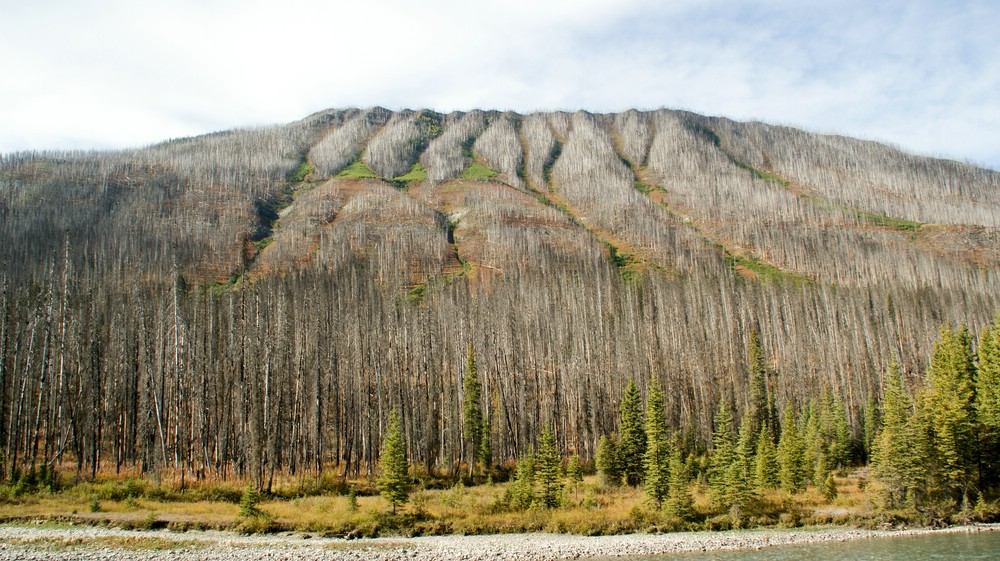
x=960, y=547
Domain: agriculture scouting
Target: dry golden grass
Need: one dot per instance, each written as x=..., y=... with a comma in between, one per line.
x=589, y=509
x=132, y=543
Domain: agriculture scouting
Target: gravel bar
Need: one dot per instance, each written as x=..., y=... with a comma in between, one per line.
x=29, y=542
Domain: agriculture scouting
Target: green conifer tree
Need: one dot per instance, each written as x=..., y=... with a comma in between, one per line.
x=632, y=447
x=895, y=456
x=836, y=438
x=521, y=491
x=872, y=421
x=723, y=456
x=472, y=413
x=791, y=473
x=656, y=463
x=759, y=402
x=767, y=467
x=394, y=481
x=829, y=487
x=812, y=438
x=822, y=469
x=948, y=402
x=680, y=503
x=574, y=474
x=988, y=405
x=607, y=461
x=742, y=478
x=547, y=471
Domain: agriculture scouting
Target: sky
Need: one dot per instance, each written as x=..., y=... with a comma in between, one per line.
x=923, y=75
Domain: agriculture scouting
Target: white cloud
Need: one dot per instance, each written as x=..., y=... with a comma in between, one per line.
x=919, y=74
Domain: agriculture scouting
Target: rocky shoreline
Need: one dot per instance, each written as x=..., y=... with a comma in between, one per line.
x=25, y=542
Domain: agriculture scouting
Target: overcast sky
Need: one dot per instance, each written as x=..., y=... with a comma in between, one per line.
x=921, y=74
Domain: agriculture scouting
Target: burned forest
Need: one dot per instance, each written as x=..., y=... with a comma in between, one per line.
x=258, y=302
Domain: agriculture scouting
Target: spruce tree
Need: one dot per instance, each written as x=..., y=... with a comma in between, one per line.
x=812, y=439
x=767, y=467
x=741, y=475
x=472, y=414
x=759, y=402
x=791, y=473
x=547, y=464
x=656, y=463
x=632, y=447
x=895, y=461
x=574, y=473
x=950, y=422
x=485, y=454
x=829, y=487
x=394, y=481
x=837, y=441
x=723, y=455
x=521, y=491
x=988, y=405
x=679, y=503
x=872, y=422
x=607, y=461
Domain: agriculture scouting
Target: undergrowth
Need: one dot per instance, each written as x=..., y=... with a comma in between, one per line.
x=334, y=507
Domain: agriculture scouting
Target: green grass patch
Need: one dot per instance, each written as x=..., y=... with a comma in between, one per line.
x=416, y=173
x=761, y=174
x=883, y=221
x=628, y=265
x=232, y=283
x=305, y=169
x=643, y=187
x=357, y=170
x=764, y=271
x=479, y=172
x=259, y=245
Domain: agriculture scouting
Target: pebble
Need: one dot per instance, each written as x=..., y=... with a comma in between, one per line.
x=32, y=543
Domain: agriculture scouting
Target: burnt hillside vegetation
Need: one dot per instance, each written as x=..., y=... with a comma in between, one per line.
x=259, y=301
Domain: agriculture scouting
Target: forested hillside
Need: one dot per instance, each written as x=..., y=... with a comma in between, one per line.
x=258, y=301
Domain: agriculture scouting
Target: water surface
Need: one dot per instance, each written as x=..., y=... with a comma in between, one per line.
x=959, y=547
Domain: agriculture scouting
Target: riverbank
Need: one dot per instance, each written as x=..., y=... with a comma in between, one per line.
x=49, y=542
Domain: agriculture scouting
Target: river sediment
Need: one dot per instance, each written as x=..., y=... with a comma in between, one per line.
x=25, y=542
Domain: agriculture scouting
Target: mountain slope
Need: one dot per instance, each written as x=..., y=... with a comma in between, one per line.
x=318, y=274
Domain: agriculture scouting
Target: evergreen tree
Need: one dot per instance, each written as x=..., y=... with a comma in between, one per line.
x=895, y=461
x=812, y=438
x=767, y=467
x=837, y=442
x=547, y=464
x=822, y=470
x=791, y=473
x=723, y=455
x=988, y=405
x=872, y=422
x=574, y=473
x=632, y=448
x=948, y=403
x=741, y=476
x=394, y=481
x=759, y=402
x=485, y=454
x=607, y=461
x=829, y=487
x=656, y=463
x=472, y=414
x=679, y=503
x=521, y=492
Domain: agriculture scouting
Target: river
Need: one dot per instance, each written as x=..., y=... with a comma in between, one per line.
x=956, y=546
